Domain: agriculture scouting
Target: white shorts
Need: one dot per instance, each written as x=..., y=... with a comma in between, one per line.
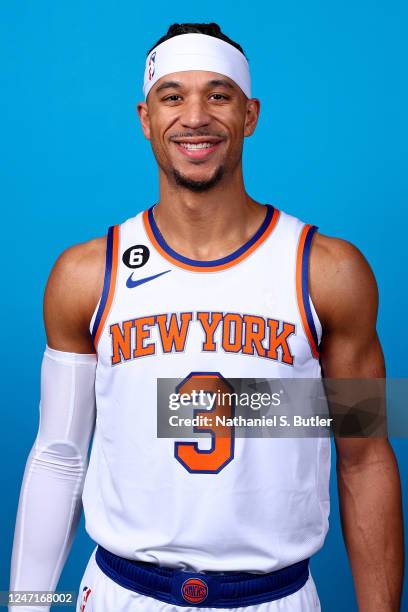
x=98, y=593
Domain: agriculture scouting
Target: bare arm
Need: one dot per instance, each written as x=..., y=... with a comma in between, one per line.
x=345, y=293
x=72, y=292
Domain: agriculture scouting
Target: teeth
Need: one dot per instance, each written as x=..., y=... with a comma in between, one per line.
x=198, y=145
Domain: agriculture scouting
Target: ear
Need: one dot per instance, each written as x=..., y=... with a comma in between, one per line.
x=253, y=107
x=143, y=113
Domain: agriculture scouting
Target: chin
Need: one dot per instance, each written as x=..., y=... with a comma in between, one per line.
x=198, y=183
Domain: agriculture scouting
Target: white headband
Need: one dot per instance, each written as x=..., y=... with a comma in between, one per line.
x=197, y=52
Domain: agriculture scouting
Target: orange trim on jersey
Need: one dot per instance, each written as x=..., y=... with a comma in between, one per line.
x=210, y=268
x=299, y=290
x=112, y=283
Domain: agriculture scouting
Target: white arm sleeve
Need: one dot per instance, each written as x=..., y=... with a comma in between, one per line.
x=50, y=498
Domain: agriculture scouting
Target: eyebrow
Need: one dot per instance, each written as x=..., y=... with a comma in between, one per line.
x=168, y=85
x=220, y=82
x=178, y=85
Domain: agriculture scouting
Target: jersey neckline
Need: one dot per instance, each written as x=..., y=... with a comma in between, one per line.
x=158, y=241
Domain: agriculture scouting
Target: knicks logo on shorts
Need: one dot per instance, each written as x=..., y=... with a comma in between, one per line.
x=194, y=590
x=86, y=591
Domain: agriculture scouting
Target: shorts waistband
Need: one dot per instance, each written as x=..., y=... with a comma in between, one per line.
x=202, y=589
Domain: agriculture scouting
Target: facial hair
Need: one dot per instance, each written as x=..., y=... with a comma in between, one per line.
x=198, y=186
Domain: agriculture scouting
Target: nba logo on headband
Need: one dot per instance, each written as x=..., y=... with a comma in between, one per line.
x=152, y=60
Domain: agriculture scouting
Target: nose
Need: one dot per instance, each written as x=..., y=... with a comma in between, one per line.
x=195, y=113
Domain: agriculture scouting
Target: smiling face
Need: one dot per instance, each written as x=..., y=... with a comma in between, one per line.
x=196, y=122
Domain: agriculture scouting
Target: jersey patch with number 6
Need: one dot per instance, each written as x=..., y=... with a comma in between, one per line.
x=136, y=256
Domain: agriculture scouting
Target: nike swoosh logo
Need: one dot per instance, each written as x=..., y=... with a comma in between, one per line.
x=130, y=283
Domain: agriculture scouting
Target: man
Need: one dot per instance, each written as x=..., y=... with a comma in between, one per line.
x=207, y=281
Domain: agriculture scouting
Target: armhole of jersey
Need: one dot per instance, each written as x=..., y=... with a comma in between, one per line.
x=95, y=312
x=109, y=284
x=307, y=310
x=316, y=320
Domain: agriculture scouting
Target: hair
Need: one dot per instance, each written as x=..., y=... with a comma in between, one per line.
x=210, y=29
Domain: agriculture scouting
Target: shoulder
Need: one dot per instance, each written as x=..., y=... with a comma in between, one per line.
x=72, y=293
x=78, y=268
x=335, y=255
x=80, y=259
x=342, y=283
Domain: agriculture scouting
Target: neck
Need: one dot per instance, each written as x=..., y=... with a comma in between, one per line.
x=210, y=224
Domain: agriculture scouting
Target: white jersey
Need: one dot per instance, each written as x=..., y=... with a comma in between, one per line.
x=257, y=505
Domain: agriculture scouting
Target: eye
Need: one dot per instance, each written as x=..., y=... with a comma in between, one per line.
x=218, y=96
x=172, y=98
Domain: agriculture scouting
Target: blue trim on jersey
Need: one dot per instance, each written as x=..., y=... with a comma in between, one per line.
x=213, y=262
x=106, y=282
x=305, y=282
x=223, y=589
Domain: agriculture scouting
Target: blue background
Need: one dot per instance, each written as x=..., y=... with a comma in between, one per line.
x=330, y=147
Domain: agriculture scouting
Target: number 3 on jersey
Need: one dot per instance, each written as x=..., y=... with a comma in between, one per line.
x=213, y=460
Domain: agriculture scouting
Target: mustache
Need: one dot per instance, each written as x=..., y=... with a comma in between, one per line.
x=191, y=134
